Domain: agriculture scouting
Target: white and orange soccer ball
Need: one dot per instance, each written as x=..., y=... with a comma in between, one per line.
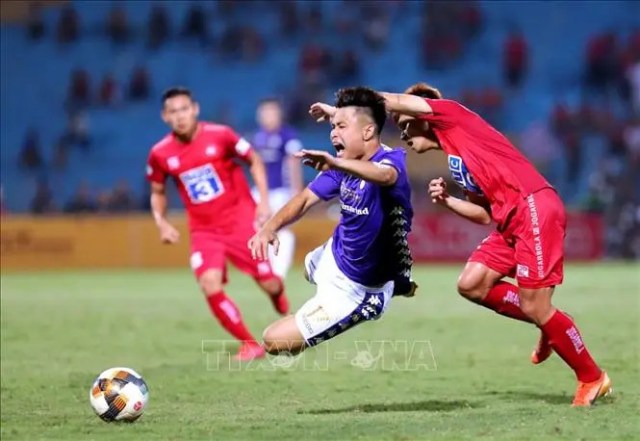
x=119, y=394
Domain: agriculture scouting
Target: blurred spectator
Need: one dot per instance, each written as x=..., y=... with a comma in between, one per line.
x=60, y=153
x=108, y=90
x=573, y=151
x=252, y=45
x=631, y=136
x=314, y=62
x=470, y=18
x=81, y=201
x=376, y=32
x=540, y=145
x=516, y=59
x=158, y=26
x=30, y=155
x=601, y=61
x=561, y=120
x=229, y=47
x=103, y=202
x=42, y=202
x=288, y=13
x=68, y=29
x=195, y=25
x=118, y=25
x=227, y=7
x=348, y=67
x=3, y=207
x=77, y=132
x=79, y=92
x=633, y=78
x=122, y=199
x=139, y=85
x=35, y=23
x=313, y=20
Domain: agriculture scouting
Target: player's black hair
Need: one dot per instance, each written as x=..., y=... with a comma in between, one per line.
x=269, y=100
x=365, y=98
x=176, y=91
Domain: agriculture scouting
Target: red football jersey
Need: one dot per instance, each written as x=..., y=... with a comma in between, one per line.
x=481, y=159
x=211, y=183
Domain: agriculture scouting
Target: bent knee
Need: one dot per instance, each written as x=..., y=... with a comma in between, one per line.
x=272, y=286
x=470, y=288
x=211, y=282
x=277, y=342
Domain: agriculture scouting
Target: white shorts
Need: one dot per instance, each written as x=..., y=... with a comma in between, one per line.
x=278, y=197
x=339, y=303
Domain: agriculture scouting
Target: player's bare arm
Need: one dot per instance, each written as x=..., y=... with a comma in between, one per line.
x=376, y=173
x=259, y=174
x=290, y=213
x=405, y=104
x=322, y=112
x=168, y=233
x=469, y=210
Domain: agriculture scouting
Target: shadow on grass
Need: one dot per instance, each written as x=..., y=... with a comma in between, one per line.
x=416, y=406
x=558, y=399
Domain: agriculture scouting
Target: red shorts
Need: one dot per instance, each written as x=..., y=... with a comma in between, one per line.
x=531, y=249
x=211, y=251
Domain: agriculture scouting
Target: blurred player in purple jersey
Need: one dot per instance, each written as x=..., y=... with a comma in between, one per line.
x=277, y=144
x=356, y=270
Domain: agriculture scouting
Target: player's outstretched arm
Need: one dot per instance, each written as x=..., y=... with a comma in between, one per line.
x=376, y=173
x=291, y=212
x=168, y=233
x=474, y=212
x=405, y=104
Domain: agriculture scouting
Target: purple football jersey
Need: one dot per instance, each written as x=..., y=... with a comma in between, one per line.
x=274, y=148
x=370, y=242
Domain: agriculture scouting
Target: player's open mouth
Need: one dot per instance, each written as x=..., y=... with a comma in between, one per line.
x=339, y=148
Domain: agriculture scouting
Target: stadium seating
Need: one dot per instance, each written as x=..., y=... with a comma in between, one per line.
x=35, y=79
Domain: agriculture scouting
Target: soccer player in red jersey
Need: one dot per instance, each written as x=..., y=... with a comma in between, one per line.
x=528, y=243
x=202, y=158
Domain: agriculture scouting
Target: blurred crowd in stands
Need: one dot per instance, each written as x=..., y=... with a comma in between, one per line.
x=611, y=81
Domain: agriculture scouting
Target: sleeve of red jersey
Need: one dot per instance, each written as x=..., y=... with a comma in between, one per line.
x=155, y=173
x=445, y=111
x=239, y=146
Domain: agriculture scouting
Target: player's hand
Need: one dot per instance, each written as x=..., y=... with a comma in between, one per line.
x=263, y=213
x=168, y=233
x=318, y=159
x=321, y=111
x=438, y=191
x=259, y=244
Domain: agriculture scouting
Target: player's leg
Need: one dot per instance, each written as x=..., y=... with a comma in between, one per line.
x=208, y=264
x=339, y=305
x=271, y=284
x=481, y=279
x=281, y=263
x=539, y=251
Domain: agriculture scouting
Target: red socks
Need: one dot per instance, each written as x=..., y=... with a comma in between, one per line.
x=503, y=298
x=229, y=316
x=565, y=339
x=560, y=330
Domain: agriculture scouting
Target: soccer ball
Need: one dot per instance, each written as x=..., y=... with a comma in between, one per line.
x=119, y=394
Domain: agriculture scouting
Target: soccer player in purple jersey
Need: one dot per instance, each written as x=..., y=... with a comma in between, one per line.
x=356, y=270
x=277, y=143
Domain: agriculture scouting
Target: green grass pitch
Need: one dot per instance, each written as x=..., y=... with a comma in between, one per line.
x=464, y=372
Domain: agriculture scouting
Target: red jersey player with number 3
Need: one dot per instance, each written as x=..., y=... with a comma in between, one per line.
x=202, y=159
x=528, y=244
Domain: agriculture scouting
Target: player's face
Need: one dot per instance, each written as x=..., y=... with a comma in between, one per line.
x=349, y=129
x=417, y=135
x=269, y=116
x=181, y=114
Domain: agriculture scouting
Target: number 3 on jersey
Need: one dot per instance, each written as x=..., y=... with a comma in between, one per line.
x=202, y=184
